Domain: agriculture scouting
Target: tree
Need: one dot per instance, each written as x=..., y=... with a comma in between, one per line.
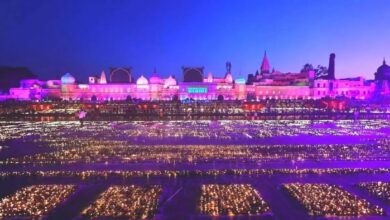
x=321, y=72
x=307, y=67
x=10, y=76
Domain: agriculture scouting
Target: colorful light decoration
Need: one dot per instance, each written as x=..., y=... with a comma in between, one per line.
x=197, y=90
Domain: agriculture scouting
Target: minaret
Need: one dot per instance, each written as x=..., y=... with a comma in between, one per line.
x=103, y=79
x=265, y=64
x=228, y=67
x=331, y=68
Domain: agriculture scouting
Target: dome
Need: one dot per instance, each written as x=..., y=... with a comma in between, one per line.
x=142, y=80
x=240, y=81
x=67, y=79
x=228, y=78
x=155, y=79
x=383, y=72
x=170, y=81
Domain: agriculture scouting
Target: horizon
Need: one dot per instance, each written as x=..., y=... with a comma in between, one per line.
x=85, y=37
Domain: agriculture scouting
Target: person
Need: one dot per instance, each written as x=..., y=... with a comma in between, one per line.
x=81, y=115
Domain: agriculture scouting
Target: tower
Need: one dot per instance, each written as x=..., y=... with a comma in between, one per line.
x=265, y=64
x=103, y=79
x=228, y=67
x=331, y=67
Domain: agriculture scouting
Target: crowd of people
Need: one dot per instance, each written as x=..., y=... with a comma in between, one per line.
x=34, y=201
x=330, y=200
x=231, y=200
x=132, y=202
x=378, y=189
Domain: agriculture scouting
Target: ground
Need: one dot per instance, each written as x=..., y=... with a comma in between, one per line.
x=181, y=156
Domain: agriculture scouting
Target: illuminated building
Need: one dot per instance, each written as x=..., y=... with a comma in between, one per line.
x=265, y=84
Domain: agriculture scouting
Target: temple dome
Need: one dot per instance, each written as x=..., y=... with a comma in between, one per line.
x=155, y=79
x=383, y=72
x=229, y=78
x=170, y=81
x=142, y=80
x=67, y=79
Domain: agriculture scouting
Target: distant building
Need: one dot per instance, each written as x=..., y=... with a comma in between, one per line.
x=265, y=67
x=265, y=84
x=382, y=76
x=383, y=72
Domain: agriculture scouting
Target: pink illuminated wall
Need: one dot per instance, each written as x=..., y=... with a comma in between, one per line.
x=269, y=86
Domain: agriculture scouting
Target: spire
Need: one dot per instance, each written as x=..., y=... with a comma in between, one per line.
x=384, y=61
x=103, y=79
x=265, y=64
x=228, y=67
x=154, y=74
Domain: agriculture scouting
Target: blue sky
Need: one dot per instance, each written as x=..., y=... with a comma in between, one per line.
x=83, y=37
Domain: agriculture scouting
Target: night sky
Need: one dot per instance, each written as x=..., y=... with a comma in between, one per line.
x=83, y=37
